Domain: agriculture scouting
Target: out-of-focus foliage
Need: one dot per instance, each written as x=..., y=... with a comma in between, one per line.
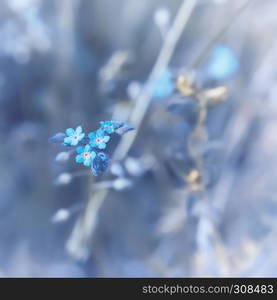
x=190, y=192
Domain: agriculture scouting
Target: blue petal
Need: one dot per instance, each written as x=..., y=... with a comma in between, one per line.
x=74, y=142
x=109, y=130
x=106, y=123
x=81, y=136
x=92, y=135
x=80, y=149
x=87, y=148
x=68, y=140
x=79, y=130
x=102, y=146
x=69, y=131
x=106, y=139
x=93, y=144
x=100, y=133
x=92, y=155
x=87, y=162
x=79, y=158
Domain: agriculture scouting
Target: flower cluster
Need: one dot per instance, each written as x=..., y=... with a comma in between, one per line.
x=90, y=148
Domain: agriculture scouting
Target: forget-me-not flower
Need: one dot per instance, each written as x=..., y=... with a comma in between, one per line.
x=73, y=136
x=98, y=139
x=108, y=126
x=85, y=155
x=88, y=146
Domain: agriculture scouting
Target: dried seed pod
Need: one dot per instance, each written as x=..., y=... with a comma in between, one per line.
x=184, y=85
x=194, y=180
x=215, y=95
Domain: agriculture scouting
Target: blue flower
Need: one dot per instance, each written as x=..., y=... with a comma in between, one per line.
x=98, y=139
x=73, y=136
x=108, y=126
x=223, y=63
x=85, y=155
x=100, y=163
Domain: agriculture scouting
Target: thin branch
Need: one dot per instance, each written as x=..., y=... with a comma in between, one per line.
x=164, y=57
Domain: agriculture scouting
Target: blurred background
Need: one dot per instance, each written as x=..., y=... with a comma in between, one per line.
x=190, y=192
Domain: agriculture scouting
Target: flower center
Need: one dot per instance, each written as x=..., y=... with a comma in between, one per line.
x=98, y=140
x=86, y=154
x=75, y=137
